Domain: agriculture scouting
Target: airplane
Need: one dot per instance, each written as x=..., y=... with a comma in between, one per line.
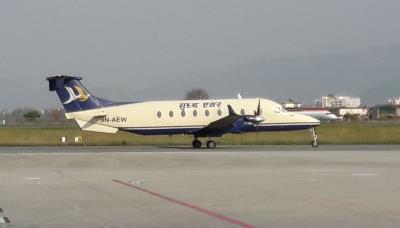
x=199, y=118
x=317, y=113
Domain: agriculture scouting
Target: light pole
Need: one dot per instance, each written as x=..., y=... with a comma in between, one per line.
x=4, y=118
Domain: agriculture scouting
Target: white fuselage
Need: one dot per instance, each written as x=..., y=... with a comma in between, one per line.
x=186, y=116
x=322, y=115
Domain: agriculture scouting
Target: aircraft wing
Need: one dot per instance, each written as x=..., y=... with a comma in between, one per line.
x=219, y=127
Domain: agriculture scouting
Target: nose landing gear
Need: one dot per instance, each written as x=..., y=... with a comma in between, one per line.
x=315, y=142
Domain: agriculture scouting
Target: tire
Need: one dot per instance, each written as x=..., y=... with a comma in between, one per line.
x=211, y=144
x=196, y=144
x=315, y=144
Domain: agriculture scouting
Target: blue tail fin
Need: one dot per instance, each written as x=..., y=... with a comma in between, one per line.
x=72, y=94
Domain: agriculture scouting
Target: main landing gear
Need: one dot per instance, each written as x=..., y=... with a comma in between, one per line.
x=211, y=144
x=315, y=142
x=196, y=144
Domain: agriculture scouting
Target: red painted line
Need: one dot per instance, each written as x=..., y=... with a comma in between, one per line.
x=191, y=206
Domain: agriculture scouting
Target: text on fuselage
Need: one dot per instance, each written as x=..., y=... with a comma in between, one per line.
x=188, y=105
x=114, y=119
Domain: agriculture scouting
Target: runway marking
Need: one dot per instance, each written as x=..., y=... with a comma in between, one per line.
x=307, y=179
x=363, y=174
x=4, y=220
x=37, y=179
x=325, y=171
x=188, y=205
x=133, y=181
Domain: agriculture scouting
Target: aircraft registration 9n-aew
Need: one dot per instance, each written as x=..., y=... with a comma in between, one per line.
x=200, y=118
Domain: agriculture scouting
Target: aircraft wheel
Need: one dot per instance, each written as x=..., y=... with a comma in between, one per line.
x=315, y=143
x=211, y=144
x=196, y=144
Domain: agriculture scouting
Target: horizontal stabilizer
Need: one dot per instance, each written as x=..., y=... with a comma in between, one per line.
x=89, y=126
x=96, y=113
x=89, y=115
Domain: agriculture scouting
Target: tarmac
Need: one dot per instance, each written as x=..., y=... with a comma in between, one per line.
x=246, y=186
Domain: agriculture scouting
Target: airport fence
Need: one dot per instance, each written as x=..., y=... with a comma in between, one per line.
x=329, y=133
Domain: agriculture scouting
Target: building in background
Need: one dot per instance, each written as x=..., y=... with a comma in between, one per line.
x=394, y=101
x=383, y=112
x=291, y=104
x=318, y=103
x=341, y=112
x=333, y=102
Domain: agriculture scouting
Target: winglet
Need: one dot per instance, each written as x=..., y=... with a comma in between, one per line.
x=231, y=111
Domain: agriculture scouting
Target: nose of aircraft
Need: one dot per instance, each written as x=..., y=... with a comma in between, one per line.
x=308, y=119
x=313, y=120
x=332, y=117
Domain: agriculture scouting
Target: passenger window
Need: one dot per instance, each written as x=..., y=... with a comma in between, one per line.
x=194, y=112
x=207, y=113
x=242, y=112
x=159, y=114
x=183, y=114
x=171, y=114
x=219, y=112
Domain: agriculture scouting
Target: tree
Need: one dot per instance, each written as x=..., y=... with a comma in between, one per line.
x=32, y=115
x=197, y=94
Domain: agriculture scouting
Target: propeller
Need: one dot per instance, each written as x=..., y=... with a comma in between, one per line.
x=258, y=111
x=256, y=119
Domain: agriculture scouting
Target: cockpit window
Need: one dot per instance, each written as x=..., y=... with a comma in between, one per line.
x=280, y=109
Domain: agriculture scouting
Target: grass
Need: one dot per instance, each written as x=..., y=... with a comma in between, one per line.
x=334, y=133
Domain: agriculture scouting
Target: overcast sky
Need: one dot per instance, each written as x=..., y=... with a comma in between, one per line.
x=125, y=50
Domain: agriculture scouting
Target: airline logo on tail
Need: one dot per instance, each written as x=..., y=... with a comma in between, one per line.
x=76, y=93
